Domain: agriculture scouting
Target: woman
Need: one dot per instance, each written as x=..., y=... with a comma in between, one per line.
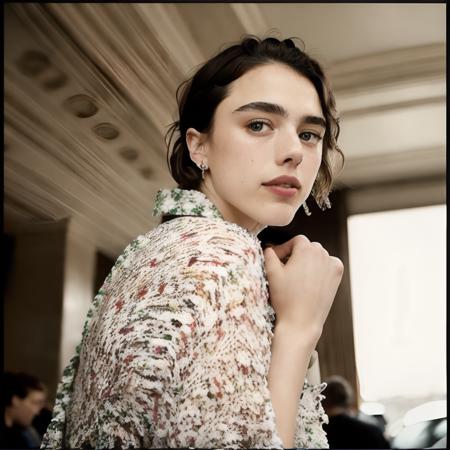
x=181, y=347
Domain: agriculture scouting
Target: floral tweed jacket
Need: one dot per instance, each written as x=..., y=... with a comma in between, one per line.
x=175, y=350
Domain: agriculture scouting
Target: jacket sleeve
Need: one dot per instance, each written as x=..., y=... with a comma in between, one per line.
x=176, y=352
x=118, y=390
x=310, y=418
x=311, y=415
x=223, y=399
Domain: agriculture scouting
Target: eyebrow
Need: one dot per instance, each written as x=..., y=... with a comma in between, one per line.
x=273, y=108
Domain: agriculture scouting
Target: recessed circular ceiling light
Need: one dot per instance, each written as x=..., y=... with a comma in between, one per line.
x=81, y=106
x=33, y=62
x=54, y=79
x=146, y=172
x=130, y=154
x=106, y=131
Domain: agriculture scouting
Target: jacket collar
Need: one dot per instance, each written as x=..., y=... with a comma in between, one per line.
x=184, y=202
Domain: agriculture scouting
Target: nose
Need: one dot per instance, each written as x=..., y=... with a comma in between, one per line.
x=290, y=150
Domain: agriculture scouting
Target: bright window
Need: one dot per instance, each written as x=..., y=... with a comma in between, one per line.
x=397, y=270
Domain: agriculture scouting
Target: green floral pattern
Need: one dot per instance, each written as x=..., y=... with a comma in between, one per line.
x=175, y=350
x=182, y=202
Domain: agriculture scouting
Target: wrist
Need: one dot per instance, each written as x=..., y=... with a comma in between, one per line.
x=297, y=336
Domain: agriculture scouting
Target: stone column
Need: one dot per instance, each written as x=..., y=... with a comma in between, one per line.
x=33, y=301
x=49, y=288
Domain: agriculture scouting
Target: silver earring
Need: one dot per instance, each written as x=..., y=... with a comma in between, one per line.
x=326, y=202
x=203, y=167
x=305, y=207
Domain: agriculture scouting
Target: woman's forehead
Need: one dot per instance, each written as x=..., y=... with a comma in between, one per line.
x=274, y=83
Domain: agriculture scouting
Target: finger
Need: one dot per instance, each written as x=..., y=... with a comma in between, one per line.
x=272, y=263
x=319, y=246
x=284, y=250
x=299, y=243
x=337, y=266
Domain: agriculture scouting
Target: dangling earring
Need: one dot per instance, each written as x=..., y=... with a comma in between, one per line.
x=203, y=167
x=305, y=207
x=326, y=202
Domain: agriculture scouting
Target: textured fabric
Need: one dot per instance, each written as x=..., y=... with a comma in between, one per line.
x=175, y=351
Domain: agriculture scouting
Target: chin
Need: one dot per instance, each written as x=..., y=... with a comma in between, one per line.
x=277, y=217
x=279, y=222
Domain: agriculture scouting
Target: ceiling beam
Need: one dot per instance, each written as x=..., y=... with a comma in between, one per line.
x=388, y=68
x=250, y=17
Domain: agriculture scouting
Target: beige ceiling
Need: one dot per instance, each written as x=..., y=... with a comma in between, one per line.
x=386, y=63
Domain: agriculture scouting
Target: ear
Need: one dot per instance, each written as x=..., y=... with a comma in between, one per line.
x=195, y=142
x=15, y=400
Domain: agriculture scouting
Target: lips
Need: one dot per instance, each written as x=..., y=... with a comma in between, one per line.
x=284, y=186
x=284, y=181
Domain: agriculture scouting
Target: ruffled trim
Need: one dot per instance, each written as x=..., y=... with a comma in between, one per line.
x=311, y=417
x=184, y=202
x=54, y=436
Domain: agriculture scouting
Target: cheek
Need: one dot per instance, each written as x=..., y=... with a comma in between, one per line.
x=316, y=161
x=236, y=161
x=248, y=170
x=320, y=155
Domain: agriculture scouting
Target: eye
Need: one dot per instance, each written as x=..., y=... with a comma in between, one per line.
x=258, y=125
x=311, y=137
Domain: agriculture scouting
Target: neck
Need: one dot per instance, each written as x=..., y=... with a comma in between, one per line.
x=229, y=213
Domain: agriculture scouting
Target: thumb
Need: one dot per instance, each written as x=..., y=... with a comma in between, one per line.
x=272, y=262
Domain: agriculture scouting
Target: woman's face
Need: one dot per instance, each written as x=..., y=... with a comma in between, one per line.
x=270, y=125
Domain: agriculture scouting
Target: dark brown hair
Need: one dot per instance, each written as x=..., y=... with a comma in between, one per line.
x=338, y=392
x=199, y=96
x=18, y=384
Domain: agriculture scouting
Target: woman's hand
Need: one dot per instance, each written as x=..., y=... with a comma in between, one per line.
x=303, y=280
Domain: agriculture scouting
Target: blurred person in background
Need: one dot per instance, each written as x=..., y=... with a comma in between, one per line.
x=23, y=397
x=376, y=419
x=44, y=417
x=345, y=429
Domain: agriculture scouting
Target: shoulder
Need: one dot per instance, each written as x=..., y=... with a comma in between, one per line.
x=354, y=423
x=209, y=237
x=188, y=247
